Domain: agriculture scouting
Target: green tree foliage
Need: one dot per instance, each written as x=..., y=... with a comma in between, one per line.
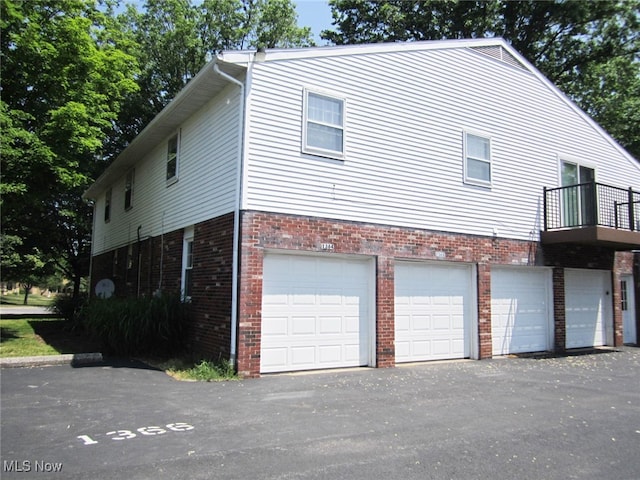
x=175, y=37
x=590, y=50
x=63, y=80
x=23, y=265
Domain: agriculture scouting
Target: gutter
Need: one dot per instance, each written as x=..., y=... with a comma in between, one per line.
x=236, y=215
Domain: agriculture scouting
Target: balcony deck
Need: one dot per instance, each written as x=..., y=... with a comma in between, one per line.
x=592, y=214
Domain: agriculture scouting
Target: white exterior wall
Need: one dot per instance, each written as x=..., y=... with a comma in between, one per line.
x=206, y=186
x=405, y=117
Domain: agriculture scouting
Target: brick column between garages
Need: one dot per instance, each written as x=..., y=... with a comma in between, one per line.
x=485, y=347
x=559, y=316
x=249, y=302
x=385, y=312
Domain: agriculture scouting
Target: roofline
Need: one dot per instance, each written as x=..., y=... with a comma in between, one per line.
x=243, y=58
x=139, y=142
x=246, y=56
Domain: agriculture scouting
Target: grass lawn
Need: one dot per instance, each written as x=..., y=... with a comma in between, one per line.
x=17, y=299
x=37, y=336
x=34, y=336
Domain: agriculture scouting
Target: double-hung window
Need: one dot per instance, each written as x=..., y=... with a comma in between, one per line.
x=107, y=206
x=477, y=159
x=173, y=157
x=128, y=189
x=323, y=129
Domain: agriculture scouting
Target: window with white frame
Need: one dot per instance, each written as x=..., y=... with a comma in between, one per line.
x=187, y=264
x=477, y=159
x=173, y=157
x=128, y=189
x=323, y=130
x=107, y=206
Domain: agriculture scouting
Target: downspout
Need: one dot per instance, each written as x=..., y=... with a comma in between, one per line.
x=236, y=216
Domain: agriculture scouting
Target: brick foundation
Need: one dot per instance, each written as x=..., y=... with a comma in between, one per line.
x=155, y=263
x=136, y=271
x=262, y=231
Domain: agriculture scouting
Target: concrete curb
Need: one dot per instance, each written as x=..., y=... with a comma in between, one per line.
x=74, y=359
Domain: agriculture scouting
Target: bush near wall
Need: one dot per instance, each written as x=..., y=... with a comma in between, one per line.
x=138, y=326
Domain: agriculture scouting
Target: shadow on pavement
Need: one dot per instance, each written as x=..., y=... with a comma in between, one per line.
x=115, y=362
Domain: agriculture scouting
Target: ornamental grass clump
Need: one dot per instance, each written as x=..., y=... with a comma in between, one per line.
x=138, y=326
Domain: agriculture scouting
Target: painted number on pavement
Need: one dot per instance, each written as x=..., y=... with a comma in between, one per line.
x=153, y=430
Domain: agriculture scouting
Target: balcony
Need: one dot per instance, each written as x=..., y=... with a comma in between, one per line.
x=592, y=214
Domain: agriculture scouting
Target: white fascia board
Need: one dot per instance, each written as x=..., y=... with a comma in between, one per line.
x=200, y=89
x=245, y=56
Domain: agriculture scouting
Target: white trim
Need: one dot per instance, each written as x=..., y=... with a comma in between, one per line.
x=339, y=155
x=466, y=178
x=240, y=167
x=242, y=56
x=187, y=237
x=631, y=309
x=178, y=136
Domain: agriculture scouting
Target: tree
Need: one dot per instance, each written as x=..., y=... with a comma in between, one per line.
x=24, y=266
x=63, y=80
x=175, y=37
x=578, y=45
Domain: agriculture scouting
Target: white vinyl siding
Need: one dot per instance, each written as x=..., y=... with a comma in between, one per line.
x=406, y=112
x=207, y=186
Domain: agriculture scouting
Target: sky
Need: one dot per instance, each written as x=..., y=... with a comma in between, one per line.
x=315, y=14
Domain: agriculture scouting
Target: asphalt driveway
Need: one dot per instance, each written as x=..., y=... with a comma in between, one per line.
x=558, y=418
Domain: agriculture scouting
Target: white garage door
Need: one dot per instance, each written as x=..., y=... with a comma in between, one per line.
x=433, y=305
x=315, y=313
x=586, y=307
x=521, y=320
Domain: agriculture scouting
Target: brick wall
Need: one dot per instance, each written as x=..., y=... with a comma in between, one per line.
x=211, y=289
x=142, y=268
x=262, y=231
x=212, y=274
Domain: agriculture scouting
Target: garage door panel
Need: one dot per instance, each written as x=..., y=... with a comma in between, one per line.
x=315, y=313
x=276, y=326
x=303, y=356
x=585, y=307
x=330, y=325
x=433, y=311
x=521, y=320
x=271, y=357
x=303, y=326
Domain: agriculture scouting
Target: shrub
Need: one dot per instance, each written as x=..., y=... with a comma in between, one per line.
x=69, y=308
x=138, y=326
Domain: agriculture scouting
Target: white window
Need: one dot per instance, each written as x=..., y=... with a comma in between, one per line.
x=187, y=264
x=128, y=190
x=107, y=206
x=477, y=159
x=173, y=158
x=323, y=130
